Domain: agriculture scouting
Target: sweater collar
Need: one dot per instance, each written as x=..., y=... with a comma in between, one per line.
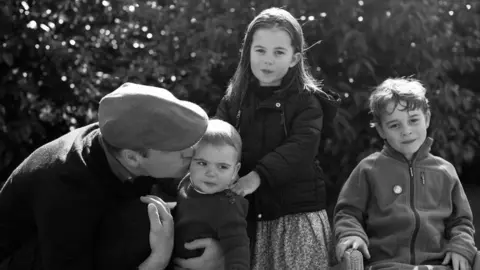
x=421, y=153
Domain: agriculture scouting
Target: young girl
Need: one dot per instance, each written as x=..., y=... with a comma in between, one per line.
x=273, y=101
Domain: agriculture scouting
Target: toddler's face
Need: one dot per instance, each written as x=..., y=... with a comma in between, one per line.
x=404, y=130
x=213, y=168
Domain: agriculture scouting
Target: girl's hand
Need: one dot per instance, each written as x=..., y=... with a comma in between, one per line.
x=247, y=184
x=458, y=261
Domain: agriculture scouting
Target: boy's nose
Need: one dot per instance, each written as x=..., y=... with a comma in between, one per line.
x=407, y=132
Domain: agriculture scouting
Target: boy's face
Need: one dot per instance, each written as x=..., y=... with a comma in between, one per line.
x=404, y=130
x=213, y=168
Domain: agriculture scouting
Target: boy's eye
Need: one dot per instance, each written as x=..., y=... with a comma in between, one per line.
x=201, y=163
x=414, y=120
x=393, y=126
x=223, y=167
x=260, y=50
x=280, y=53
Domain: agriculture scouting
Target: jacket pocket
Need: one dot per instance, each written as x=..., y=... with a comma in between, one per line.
x=431, y=187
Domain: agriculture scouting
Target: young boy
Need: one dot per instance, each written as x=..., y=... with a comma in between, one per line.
x=403, y=207
x=205, y=205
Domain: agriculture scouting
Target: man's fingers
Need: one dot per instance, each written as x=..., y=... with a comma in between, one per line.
x=199, y=243
x=455, y=264
x=155, y=221
x=161, y=207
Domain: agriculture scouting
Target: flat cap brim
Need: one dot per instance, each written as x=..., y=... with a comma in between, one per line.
x=136, y=116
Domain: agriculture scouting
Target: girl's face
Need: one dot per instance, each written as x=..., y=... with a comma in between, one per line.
x=271, y=55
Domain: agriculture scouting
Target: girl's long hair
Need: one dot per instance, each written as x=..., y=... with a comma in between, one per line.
x=298, y=77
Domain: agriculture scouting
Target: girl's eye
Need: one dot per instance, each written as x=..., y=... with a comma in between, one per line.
x=393, y=126
x=414, y=120
x=201, y=163
x=280, y=53
x=224, y=167
x=260, y=50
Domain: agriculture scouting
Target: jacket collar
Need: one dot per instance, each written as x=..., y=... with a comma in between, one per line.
x=421, y=153
x=117, y=168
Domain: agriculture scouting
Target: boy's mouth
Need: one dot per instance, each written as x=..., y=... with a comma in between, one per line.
x=408, y=142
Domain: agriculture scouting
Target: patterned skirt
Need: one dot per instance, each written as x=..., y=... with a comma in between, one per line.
x=299, y=241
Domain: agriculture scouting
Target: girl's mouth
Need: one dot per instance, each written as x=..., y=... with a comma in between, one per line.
x=267, y=71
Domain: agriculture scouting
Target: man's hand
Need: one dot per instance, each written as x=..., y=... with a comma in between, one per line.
x=354, y=242
x=161, y=233
x=247, y=184
x=458, y=261
x=211, y=259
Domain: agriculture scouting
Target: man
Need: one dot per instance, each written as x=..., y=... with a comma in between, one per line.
x=74, y=203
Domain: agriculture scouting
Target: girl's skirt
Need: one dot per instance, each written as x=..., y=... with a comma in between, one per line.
x=299, y=241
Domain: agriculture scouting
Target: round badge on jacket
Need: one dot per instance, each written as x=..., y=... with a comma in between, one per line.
x=397, y=189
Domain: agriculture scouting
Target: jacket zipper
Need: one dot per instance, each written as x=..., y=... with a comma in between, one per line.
x=415, y=213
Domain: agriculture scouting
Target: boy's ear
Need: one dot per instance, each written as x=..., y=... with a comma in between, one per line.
x=380, y=130
x=427, y=119
x=295, y=59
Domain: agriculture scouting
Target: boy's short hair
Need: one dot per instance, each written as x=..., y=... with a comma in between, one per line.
x=396, y=90
x=221, y=133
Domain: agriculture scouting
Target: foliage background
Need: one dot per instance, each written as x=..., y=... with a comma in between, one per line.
x=59, y=57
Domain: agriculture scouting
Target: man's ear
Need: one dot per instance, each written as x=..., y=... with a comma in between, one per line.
x=130, y=157
x=380, y=130
x=295, y=59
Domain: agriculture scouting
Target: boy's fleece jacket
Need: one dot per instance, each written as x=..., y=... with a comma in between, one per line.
x=410, y=213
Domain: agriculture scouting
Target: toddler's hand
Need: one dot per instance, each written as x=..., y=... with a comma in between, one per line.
x=247, y=184
x=458, y=261
x=354, y=242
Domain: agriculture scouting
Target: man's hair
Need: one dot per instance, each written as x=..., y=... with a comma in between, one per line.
x=220, y=133
x=116, y=150
x=406, y=90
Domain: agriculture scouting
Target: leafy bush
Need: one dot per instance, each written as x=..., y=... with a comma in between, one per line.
x=59, y=58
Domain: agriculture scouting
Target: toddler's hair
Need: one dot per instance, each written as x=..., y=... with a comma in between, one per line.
x=221, y=133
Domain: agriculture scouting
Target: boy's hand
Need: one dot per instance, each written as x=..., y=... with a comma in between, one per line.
x=354, y=242
x=247, y=184
x=458, y=261
x=212, y=257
